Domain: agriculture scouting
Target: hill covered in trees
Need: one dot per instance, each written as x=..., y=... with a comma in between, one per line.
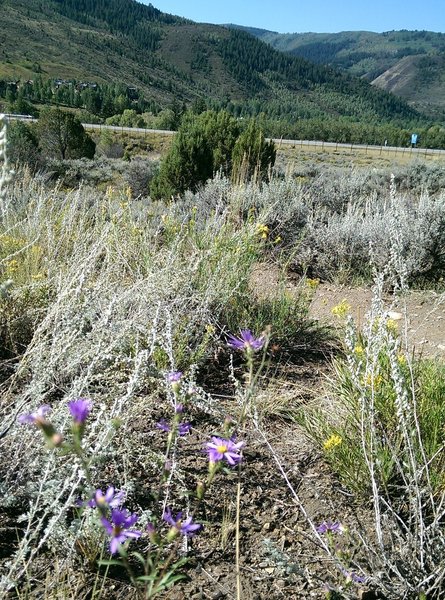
x=107, y=56
x=410, y=64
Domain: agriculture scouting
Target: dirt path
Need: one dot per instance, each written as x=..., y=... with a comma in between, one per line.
x=424, y=310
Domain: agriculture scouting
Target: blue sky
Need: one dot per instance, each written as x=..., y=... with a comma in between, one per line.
x=291, y=16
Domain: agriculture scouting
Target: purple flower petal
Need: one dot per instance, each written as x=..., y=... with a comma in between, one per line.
x=221, y=449
x=110, y=498
x=36, y=417
x=163, y=425
x=184, y=428
x=186, y=527
x=330, y=526
x=246, y=341
x=174, y=376
x=80, y=409
x=119, y=528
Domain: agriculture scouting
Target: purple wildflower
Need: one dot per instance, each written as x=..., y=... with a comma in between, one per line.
x=174, y=376
x=219, y=449
x=163, y=425
x=246, y=341
x=110, y=498
x=179, y=409
x=37, y=417
x=183, y=428
x=351, y=576
x=119, y=528
x=80, y=409
x=186, y=527
x=330, y=527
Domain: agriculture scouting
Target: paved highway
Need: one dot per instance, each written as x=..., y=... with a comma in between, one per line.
x=278, y=142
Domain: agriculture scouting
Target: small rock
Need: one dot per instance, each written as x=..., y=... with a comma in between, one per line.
x=395, y=316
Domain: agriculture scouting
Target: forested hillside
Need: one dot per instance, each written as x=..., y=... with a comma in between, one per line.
x=108, y=56
x=409, y=63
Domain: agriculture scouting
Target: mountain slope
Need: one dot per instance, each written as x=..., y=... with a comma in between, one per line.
x=171, y=59
x=410, y=64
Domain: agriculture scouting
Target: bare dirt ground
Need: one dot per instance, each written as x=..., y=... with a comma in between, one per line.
x=424, y=311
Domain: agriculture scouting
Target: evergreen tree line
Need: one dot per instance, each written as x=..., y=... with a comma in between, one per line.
x=137, y=21
x=102, y=100
x=248, y=59
x=291, y=118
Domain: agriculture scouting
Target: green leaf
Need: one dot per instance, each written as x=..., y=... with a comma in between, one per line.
x=140, y=558
x=146, y=577
x=109, y=562
x=169, y=580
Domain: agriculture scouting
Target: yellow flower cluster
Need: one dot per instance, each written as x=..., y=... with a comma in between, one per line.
x=372, y=381
x=109, y=192
x=312, y=283
x=10, y=241
x=341, y=309
x=263, y=231
x=36, y=251
x=12, y=266
x=401, y=359
x=332, y=442
x=392, y=326
x=38, y=276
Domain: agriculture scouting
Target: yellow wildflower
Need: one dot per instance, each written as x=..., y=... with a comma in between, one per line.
x=38, y=276
x=36, y=251
x=359, y=350
x=401, y=359
x=312, y=283
x=12, y=266
x=263, y=231
x=278, y=239
x=374, y=381
x=332, y=442
x=392, y=326
x=109, y=192
x=341, y=309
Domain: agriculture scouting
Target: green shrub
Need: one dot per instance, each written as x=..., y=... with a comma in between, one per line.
x=208, y=143
x=252, y=155
x=23, y=145
x=292, y=331
x=61, y=135
x=382, y=421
